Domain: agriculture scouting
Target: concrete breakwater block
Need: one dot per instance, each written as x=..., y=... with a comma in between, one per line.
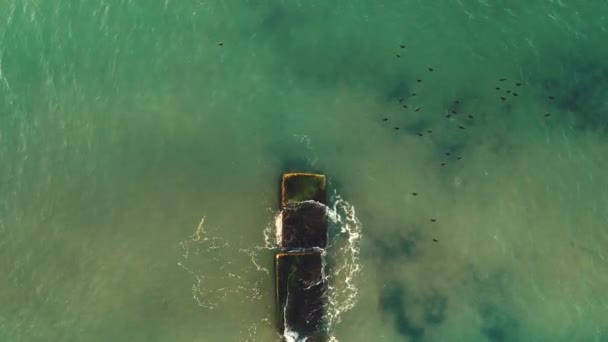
x=298, y=187
x=304, y=226
x=303, y=200
x=300, y=291
x=300, y=287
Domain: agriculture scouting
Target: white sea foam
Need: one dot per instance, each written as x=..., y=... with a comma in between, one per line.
x=343, y=256
x=340, y=267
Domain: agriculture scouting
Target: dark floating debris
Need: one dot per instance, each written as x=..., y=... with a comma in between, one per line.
x=431, y=69
x=502, y=98
x=461, y=127
x=433, y=220
x=435, y=240
x=220, y=43
x=548, y=114
x=517, y=84
x=502, y=79
x=415, y=193
x=385, y=119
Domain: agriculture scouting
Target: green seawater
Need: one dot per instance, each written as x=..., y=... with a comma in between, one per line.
x=124, y=125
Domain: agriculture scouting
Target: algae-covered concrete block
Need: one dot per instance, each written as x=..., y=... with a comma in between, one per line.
x=300, y=291
x=304, y=221
x=298, y=187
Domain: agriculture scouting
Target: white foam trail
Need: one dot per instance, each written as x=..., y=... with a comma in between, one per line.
x=288, y=334
x=202, y=258
x=343, y=252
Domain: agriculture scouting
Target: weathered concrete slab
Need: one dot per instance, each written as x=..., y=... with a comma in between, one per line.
x=300, y=287
x=300, y=293
x=298, y=187
x=304, y=226
x=303, y=199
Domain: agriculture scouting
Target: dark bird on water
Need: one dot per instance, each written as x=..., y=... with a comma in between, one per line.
x=550, y=97
x=430, y=69
x=456, y=101
x=443, y=164
x=433, y=220
x=417, y=109
x=517, y=84
x=396, y=128
x=413, y=94
x=470, y=116
x=497, y=88
x=502, y=98
x=420, y=134
x=435, y=240
x=515, y=94
x=385, y=119
x=418, y=81
x=548, y=114
x=502, y=79
x=447, y=153
x=448, y=116
x=429, y=131
x=402, y=46
x=405, y=106
x=415, y=193
x=458, y=158
x=508, y=91
x=461, y=127
x=401, y=99
x=398, y=56
x=454, y=112
x=220, y=43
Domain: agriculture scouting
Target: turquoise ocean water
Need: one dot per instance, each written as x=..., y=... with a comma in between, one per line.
x=140, y=162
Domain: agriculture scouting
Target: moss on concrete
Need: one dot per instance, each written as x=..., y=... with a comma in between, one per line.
x=298, y=187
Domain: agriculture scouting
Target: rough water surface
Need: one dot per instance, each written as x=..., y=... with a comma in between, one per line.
x=141, y=143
